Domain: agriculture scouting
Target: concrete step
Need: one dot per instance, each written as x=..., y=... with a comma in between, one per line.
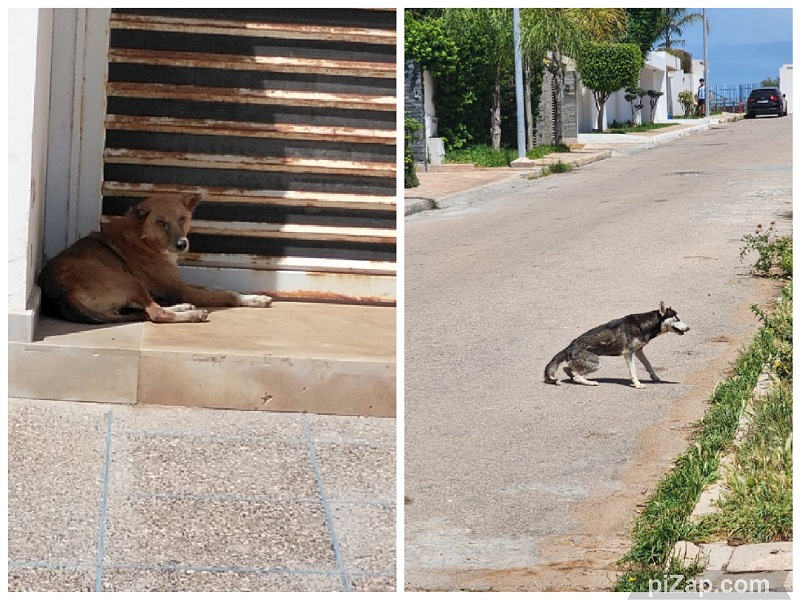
x=292, y=357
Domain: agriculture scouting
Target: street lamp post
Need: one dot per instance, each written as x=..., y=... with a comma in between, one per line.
x=518, y=81
x=705, y=67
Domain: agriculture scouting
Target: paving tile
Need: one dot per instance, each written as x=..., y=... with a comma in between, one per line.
x=367, y=537
x=373, y=431
x=211, y=533
x=55, y=480
x=373, y=584
x=51, y=579
x=204, y=423
x=244, y=467
x=356, y=472
x=180, y=580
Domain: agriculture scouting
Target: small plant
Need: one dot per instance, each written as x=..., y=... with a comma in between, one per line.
x=634, y=96
x=774, y=253
x=687, y=101
x=778, y=327
x=558, y=167
x=412, y=126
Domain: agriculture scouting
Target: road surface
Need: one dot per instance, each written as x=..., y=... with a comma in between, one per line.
x=512, y=484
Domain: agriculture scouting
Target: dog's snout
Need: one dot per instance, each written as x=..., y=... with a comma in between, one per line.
x=182, y=244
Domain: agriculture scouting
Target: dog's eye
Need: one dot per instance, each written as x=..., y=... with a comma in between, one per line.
x=163, y=224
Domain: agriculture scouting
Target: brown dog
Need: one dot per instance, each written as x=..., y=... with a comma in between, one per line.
x=115, y=275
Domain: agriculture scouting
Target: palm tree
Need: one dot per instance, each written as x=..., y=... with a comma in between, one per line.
x=602, y=24
x=497, y=25
x=554, y=33
x=673, y=22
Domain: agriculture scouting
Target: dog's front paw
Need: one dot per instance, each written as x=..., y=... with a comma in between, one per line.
x=254, y=300
x=638, y=385
x=179, y=308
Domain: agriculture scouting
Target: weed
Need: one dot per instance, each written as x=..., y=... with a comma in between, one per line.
x=774, y=253
x=558, y=167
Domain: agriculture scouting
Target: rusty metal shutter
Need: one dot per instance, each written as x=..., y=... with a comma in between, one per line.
x=284, y=119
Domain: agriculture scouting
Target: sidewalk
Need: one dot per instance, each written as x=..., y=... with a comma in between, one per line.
x=147, y=498
x=443, y=181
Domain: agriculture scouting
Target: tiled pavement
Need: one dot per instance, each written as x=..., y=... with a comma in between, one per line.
x=148, y=498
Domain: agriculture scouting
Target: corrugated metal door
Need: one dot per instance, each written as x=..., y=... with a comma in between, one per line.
x=285, y=120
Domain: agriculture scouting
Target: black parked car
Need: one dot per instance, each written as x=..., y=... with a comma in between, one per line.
x=766, y=101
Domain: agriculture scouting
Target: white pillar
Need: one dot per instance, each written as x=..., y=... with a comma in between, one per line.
x=29, y=54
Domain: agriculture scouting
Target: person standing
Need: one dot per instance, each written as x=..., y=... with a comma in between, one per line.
x=701, y=98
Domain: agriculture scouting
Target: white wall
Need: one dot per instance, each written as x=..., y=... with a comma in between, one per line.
x=787, y=86
x=29, y=52
x=652, y=77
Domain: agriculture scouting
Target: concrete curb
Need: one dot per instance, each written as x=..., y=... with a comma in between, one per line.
x=580, y=158
x=748, y=565
x=415, y=205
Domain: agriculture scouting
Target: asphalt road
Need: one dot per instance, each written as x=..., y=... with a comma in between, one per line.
x=515, y=484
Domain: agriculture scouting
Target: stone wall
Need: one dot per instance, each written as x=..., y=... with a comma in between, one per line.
x=414, y=107
x=569, y=118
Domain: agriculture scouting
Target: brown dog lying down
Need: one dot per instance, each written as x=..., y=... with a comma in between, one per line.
x=115, y=275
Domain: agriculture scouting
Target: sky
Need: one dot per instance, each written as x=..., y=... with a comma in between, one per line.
x=745, y=45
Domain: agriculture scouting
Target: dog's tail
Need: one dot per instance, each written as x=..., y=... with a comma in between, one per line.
x=552, y=366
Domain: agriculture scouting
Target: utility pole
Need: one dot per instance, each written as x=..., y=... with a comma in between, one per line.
x=705, y=67
x=518, y=84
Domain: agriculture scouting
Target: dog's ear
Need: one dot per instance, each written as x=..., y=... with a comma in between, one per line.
x=139, y=212
x=662, y=310
x=190, y=201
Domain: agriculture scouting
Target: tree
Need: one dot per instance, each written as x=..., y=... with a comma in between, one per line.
x=600, y=24
x=644, y=28
x=458, y=67
x=496, y=26
x=654, y=95
x=634, y=95
x=606, y=68
x=673, y=22
x=769, y=82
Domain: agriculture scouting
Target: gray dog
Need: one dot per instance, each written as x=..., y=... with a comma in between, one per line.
x=621, y=337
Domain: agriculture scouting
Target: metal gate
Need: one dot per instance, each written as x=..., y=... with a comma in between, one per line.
x=284, y=119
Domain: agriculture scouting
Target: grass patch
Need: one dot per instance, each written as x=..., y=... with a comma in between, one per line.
x=759, y=507
x=663, y=521
x=631, y=129
x=484, y=156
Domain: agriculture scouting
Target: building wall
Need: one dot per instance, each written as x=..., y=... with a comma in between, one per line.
x=787, y=87
x=29, y=43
